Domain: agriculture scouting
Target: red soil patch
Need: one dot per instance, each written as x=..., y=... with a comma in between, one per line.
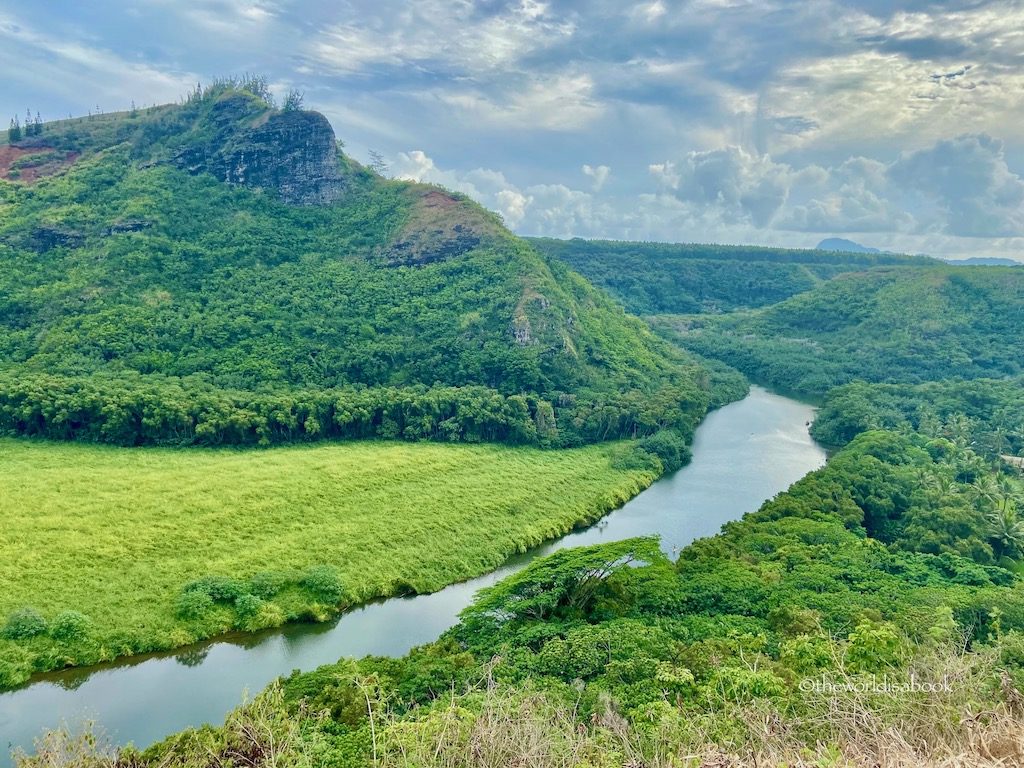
x=435, y=198
x=15, y=163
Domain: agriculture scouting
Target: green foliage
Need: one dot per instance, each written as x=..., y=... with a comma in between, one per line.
x=986, y=414
x=24, y=623
x=217, y=588
x=897, y=325
x=140, y=303
x=325, y=582
x=194, y=604
x=669, y=278
x=70, y=626
x=669, y=446
x=181, y=539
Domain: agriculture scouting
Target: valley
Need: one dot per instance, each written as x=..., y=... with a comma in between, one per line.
x=271, y=419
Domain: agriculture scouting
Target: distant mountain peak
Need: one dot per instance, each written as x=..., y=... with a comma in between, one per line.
x=841, y=244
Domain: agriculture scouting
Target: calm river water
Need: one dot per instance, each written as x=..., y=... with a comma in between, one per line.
x=743, y=454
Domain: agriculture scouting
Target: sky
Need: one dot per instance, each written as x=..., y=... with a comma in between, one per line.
x=896, y=124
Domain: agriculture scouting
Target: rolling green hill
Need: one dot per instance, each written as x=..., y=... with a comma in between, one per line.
x=150, y=258
x=890, y=324
x=671, y=278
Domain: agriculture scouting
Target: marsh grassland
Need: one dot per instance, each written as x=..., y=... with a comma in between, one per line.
x=122, y=551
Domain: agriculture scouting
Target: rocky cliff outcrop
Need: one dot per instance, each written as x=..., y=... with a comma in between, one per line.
x=293, y=153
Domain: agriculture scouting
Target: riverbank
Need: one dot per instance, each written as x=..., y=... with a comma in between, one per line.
x=111, y=552
x=743, y=453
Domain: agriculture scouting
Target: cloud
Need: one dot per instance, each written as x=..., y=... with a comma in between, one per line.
x=741, y=186
x=598, y=173
x=968, y=178
x=961, y=187
x=729, y=120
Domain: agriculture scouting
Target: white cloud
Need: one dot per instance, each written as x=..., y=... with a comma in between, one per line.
x=86, y=75
x=599, y=174
x=741, y=186
x=968, y=178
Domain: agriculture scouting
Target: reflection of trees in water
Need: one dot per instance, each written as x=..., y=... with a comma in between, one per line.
x=294, y=635
x=72, y=681
x=192, y=657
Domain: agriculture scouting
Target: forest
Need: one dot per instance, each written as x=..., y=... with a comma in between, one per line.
x=135, y=262
x=671, y=278
x=273, y=390
x=892, y=325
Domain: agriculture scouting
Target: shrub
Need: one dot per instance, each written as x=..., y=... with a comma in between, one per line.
x=248, y=605
x=194, y=604
x=669, y=446
x=632, y=457
x=23, y=624
x=325, y=582
x=219, y=588
x=266, y=584
x=70, y=625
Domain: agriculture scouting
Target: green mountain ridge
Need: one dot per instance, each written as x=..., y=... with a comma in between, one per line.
x=685, y=278
x=886, y=325
x=225, y=246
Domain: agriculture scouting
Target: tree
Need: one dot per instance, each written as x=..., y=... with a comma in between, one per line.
x=1006, y=532
x=378, y=164
x=293, y=101
x=14, y=132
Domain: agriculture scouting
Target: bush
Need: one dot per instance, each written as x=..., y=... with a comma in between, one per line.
x=325, y=582
x=632, y=457
x=70, y=625
x=219, y=588
x=194, y=604
x=248, y=605
x=669, y=446
x=266, y=584
x=23, y=624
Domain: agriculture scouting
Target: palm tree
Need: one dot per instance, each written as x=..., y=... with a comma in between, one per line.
x=1006, y=532
x=985, y=491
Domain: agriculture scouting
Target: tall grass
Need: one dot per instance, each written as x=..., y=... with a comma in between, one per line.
x=978, y=721
x=116, y=534
x=973, y=725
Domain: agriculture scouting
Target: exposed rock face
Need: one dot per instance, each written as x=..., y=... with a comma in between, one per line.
x=44, y=238
x=292, y=153
x=439, y=227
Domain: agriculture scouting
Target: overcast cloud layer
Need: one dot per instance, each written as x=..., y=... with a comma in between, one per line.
x=895, y=124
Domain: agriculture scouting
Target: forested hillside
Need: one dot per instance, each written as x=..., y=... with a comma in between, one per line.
x=670, y=278
x=169, y=254
x=884, y=325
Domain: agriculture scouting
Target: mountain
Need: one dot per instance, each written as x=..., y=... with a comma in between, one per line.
x=678, y=278
x=841, y=244
x=984, y=261
x=891, y=324
x=220, y=271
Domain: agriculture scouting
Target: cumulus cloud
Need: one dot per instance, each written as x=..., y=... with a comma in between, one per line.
x=968, y=178
x=598, y=173
x=741, y=186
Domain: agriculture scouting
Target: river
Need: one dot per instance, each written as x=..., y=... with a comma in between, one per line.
x=743, y=454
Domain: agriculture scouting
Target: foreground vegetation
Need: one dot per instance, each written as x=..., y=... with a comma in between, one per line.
x=804, y=634
x=108, y=552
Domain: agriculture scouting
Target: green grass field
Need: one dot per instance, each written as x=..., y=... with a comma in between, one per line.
x=117, y=533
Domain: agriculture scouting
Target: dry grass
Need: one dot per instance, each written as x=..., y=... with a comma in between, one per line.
x=978, y=721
